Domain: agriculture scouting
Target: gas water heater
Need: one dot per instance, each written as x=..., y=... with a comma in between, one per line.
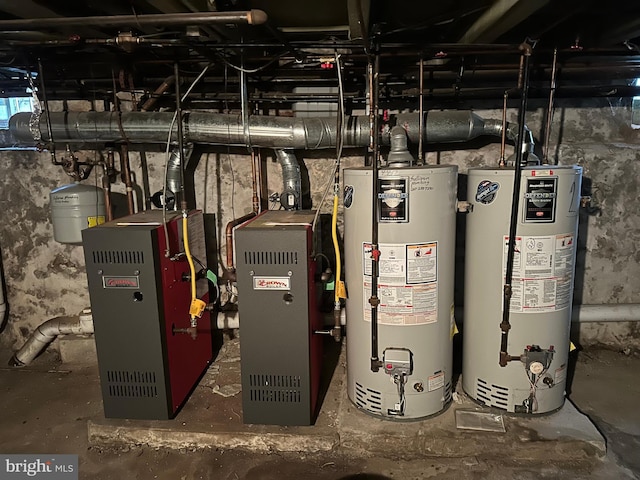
x=416, y=215
x=542, y=286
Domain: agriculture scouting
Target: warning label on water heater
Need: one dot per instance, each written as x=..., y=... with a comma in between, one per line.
x=542, y=272
x=407, y=283
x=422, y=262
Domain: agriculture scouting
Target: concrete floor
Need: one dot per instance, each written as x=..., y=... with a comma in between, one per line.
x=52, y=407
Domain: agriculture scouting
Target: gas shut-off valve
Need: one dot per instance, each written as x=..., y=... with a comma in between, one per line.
x=398, y=363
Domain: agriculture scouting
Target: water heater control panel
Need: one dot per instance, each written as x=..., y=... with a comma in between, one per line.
x=537, y=360
x=398, y=361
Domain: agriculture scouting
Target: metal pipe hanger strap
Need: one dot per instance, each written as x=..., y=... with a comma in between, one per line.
x=265, y=131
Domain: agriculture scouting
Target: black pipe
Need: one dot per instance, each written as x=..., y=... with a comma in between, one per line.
x=251, y=17
x=505, y=326
x=552, y=91
x=125, y=175
x=374, y=301
x=52, y=145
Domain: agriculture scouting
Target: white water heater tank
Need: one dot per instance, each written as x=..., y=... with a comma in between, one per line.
x=75, y=207
x=416, y=215
x=542, y=285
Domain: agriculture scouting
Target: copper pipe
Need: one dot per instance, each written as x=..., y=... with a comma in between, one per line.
x=552, y=92
x=125, y=168
x=52, y=145
x=261, y=186
x=421, y=119
x=229, y=237
x=106, y=188
x=157, y=93
x=107, y=167
x=503, y=140
x=255, y=200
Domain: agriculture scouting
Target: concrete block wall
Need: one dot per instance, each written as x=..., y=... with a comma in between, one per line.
x=45, y=279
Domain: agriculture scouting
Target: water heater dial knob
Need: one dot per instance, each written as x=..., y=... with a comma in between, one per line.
x=536, y=368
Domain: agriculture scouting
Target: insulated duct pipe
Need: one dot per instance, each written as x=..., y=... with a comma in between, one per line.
x=43, y=335
x=265, y=131
x=230, y=320
x=452, y=126
x=199, y=127
x=624, y=312
x=291, y=195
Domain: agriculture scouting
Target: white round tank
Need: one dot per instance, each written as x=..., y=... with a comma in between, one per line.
x=543, y=277
x=75, y=207
x=417, y=210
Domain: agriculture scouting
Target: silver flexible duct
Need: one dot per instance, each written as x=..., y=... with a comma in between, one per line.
x=291, y=179
x=528, y=143
x=174, y=168
x=265, y=131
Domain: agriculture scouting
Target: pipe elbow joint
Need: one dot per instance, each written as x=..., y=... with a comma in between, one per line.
x=336, y=333
x=525, y=49
x=15, y=362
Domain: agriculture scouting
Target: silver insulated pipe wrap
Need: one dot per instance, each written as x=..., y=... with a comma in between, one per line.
x=199, y=127
x=263, y=131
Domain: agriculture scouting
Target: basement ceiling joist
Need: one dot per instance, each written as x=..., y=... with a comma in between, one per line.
x=471, y=44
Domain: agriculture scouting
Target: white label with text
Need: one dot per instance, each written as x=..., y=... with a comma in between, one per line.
x=271, y=283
